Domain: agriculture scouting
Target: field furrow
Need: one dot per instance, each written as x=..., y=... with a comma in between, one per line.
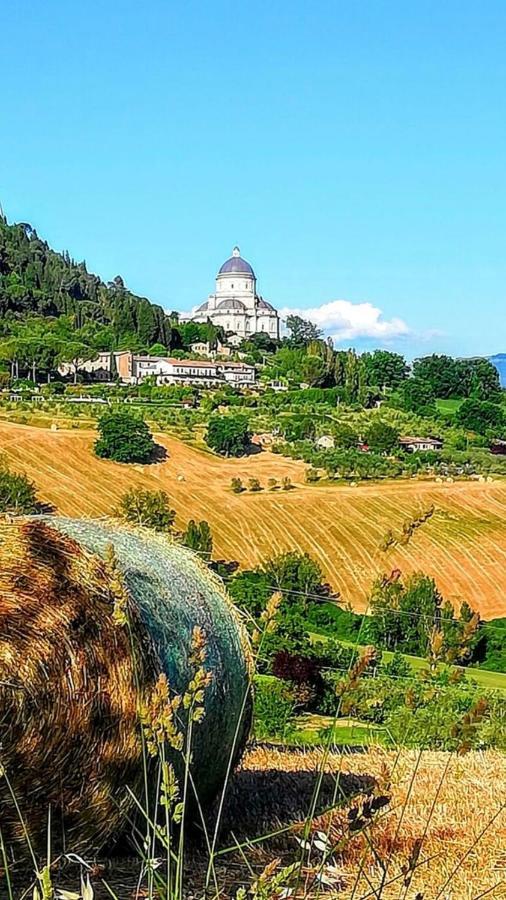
x=463, y=545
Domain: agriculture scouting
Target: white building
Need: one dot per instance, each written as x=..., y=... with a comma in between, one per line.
x=414, y=444
x=205, y=373
x=325, y=442
x=133, y=368
x=235, y=304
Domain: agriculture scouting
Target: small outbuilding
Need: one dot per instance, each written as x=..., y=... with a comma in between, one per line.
x=498, y=448
x=265, y=439
x=415, y=444
x=325, y=442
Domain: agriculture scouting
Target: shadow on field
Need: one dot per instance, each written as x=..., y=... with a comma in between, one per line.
x=159, y=455
x=259, y=801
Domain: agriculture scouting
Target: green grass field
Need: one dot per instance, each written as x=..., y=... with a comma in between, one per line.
x=448, y=407
x=312, y=729
x=488, y=680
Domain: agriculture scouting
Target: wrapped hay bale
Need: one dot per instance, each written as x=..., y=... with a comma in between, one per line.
x=72, y=679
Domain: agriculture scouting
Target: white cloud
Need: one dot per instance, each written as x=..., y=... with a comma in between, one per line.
x=345, y=321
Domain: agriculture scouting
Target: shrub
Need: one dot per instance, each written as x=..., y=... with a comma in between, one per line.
x=345, y=436
x=445, y=718
x=198, y=537
x=228, y=435
x=250, y=590
x=254, y=484
x=236, y=485
x=17, y=493
x=381, y=437
x=124, y=437
x=304, y=674
x=274, y=706
x=420, y=710
x=491, y=647
x=290, y=635
x=334, y=655
x=398, y=667
x=286, y=483
x=149, y=508
x=312, y=475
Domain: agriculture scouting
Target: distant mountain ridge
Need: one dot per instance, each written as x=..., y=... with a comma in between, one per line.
x=36, y=280
x=499, y=361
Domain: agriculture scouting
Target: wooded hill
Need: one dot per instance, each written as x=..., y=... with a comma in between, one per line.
x=36, y=280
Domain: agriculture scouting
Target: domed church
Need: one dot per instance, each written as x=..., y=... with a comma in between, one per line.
x=235, y=305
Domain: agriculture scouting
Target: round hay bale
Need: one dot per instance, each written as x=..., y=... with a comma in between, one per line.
x=72, y=679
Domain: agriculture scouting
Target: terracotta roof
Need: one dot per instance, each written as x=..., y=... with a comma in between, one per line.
x=235, y=365
x=420, y=440
x=194, y=363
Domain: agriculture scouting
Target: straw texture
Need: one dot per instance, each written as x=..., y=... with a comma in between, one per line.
x=72, y=679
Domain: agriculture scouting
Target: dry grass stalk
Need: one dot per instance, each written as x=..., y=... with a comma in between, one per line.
x=472, y=796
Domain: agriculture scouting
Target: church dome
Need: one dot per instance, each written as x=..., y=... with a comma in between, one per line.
x=231, y=304
x=236, y=265
x=203, y=307
x=262, y=304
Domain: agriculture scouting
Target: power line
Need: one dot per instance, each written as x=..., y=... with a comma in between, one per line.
x=328, y=599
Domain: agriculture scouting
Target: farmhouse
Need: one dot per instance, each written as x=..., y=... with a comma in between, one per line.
x=414, y=444
x=105, y=367
x=133, y=368
x=204, y=348
x=325, y=442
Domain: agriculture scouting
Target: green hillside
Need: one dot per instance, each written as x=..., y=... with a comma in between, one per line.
x=36, y=280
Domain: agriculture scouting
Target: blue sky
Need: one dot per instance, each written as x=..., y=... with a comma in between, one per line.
x=355, y=152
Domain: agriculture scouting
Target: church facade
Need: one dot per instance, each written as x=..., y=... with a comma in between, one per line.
x=235, y=304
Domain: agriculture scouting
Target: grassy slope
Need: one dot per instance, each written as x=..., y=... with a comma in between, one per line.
x=448, y=407
x=463, y=545
x=482, y=677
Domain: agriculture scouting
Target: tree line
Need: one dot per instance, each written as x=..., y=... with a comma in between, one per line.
x=36, y=280
x=53, y=310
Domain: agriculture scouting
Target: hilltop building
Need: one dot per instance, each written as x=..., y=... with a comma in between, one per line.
x=235, y=305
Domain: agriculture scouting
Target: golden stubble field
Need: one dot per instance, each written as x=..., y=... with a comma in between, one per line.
x=453, y=807
x=446, y=813
x=462, y=545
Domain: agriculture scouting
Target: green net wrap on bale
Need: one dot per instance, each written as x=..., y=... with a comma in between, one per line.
x=72, y=680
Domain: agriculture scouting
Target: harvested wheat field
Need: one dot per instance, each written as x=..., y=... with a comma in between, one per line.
x=462, y=544
x=446, y=812
x=438, y=832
